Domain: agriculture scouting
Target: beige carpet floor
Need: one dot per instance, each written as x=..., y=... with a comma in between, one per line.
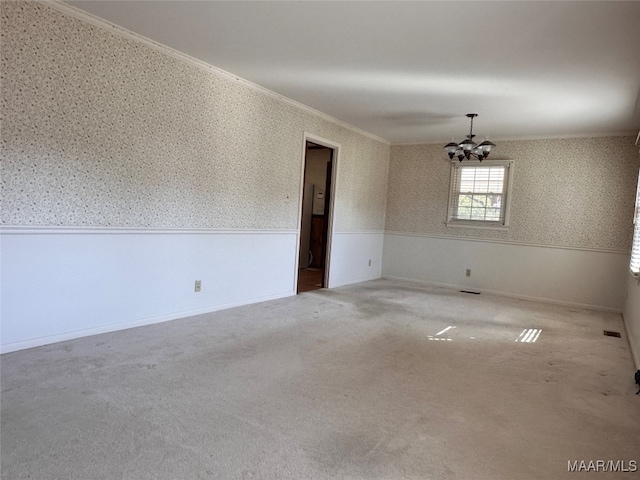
x=358, y=382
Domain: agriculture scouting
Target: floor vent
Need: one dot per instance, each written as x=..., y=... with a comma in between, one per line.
x=467, y=291
x=609, y=333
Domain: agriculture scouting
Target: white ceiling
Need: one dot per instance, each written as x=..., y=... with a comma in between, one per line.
x=410, y=71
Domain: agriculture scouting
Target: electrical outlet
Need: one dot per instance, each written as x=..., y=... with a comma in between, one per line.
x=468, y=272
x=198, y=286
x=369, y=262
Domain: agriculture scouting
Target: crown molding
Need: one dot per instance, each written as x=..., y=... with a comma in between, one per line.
x=183, y=57
x=628, y=133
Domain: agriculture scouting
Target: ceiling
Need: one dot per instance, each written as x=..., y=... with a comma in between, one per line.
x=409, y=71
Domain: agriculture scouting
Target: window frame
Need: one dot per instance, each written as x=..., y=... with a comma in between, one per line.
x=635, y=239
x=482, y=224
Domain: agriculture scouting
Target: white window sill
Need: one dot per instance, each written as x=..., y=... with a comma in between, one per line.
x=479, y=224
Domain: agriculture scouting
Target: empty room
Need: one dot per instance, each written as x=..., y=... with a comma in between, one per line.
x=318, y=240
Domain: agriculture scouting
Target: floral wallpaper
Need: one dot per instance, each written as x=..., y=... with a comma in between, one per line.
x=100, y=130
x=570, y=192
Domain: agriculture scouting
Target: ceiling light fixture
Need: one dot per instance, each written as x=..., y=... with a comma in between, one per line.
x=468, y=148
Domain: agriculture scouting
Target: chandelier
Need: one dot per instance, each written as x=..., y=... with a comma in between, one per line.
x=468, y=148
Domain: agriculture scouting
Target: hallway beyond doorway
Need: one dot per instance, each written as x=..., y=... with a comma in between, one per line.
x=310, y=279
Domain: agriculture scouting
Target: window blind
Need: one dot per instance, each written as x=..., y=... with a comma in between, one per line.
x=478, y=193
x=635, y=249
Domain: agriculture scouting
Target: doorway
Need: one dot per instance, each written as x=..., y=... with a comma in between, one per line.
x=315, y=216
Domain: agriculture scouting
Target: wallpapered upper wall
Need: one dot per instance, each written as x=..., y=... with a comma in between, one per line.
x=573, y=192
x=100, y=130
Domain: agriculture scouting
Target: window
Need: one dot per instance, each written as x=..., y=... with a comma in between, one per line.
x=479, y=194
x=635, y=248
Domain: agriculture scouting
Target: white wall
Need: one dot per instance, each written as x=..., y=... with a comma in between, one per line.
x=632, y=316
x=586, y=278
x=59, y=284
x=350, y=255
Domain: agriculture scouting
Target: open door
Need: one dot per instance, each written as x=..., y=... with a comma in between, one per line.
x=315, y=217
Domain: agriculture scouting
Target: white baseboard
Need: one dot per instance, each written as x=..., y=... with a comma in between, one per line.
x=506, y=294
x=39, y=342
x=570, y=277
x=356, y=280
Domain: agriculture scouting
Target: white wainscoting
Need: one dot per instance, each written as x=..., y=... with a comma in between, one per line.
x=350, y=255
x=63, y=283
x=632, y=316
x=568, y=276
